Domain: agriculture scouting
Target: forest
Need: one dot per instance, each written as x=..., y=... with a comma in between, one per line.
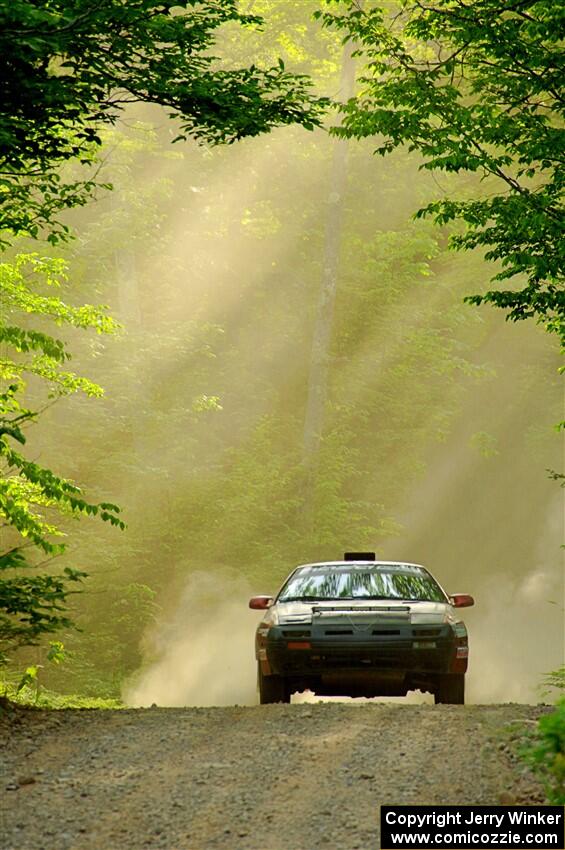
x=280, y=278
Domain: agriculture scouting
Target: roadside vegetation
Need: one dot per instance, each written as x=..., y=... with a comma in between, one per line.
x=546, y=753
x=544, y=749
x=69, y=71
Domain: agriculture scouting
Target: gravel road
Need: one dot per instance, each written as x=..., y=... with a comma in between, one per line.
x=280, y=777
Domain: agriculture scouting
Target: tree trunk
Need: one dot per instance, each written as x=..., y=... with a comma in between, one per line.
x=129, y=313
x=128, y=288
x=320, y=357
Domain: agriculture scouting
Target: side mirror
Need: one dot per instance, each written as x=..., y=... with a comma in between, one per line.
x=461, y=600
x=260, y=602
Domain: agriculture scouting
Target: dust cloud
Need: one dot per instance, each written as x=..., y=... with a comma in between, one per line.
x=204, y=654
x=517, y=629
x=514, y=621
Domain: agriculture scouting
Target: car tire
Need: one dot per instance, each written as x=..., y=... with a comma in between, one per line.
x=451, y=689
x=272, y=688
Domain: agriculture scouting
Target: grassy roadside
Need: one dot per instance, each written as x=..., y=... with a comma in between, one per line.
x=32, y=697
x=543, y=750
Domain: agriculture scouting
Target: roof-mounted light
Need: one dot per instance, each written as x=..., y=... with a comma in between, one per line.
x=359, y=556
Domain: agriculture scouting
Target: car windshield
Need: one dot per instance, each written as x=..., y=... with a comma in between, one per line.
x=362, y=581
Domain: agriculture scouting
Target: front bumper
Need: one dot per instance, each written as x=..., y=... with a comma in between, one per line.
x=405, y=653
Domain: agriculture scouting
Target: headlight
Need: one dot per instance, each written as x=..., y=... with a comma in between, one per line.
x=270, y=619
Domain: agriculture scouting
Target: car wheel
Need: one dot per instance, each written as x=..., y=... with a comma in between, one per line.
x=451, y=689
x=272, y=688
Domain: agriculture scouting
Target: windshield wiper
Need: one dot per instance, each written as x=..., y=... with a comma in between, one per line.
x=364, y=598
x=419, y=599
x=320, y=598
x=302, y=599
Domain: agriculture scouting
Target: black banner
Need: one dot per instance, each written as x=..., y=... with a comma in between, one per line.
x=479, y=827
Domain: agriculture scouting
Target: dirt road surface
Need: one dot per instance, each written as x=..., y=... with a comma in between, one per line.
x=280, y=777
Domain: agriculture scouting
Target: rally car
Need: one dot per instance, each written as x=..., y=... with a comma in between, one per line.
x=361, y=627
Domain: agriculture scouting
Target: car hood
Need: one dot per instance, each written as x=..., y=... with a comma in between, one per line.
x=374, y=609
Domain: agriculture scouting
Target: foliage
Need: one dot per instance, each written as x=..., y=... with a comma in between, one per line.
x=42, y=697
x=30, y=678
x=71, y=67
x=546, y=753
x=236, y=475
x=31, y=606
x=554, y=680
x=222, y=487
x=31, y=690
x=212, y=258
x=106, y=650
x=32, y=602
x=475, y=87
